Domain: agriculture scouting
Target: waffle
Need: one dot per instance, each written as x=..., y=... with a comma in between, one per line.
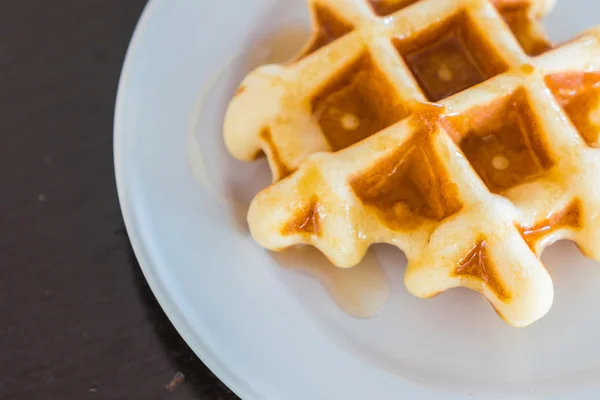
x=522, y=20
x=272, y=112
x=533, y=8
x=471, y=166
x=521, y=16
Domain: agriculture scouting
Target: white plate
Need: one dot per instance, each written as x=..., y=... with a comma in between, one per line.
x=271, y=333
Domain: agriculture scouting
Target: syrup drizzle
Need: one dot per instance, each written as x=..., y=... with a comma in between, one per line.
x=361, y=291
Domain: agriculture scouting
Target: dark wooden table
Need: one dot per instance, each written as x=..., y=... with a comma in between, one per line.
x=77, y=320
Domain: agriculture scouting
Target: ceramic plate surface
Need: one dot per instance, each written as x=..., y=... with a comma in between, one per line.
x=267, y=330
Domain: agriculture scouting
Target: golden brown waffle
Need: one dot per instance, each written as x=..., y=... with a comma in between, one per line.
x=522, y=18
x=521, y=15
x=534, y=8
x=257, y=123
x=478, y=162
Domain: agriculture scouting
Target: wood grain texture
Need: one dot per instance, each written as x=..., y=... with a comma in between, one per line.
x=77, y=320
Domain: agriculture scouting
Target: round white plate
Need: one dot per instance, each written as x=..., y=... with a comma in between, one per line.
x=271, y=333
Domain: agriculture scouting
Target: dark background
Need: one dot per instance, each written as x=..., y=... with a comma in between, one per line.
x=77, y=320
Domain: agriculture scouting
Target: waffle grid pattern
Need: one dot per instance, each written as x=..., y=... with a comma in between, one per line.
x=471, y=166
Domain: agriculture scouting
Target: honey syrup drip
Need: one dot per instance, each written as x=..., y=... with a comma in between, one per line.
x=361, y=291
x=477, y=265
x=570, y=217
x=306, y=220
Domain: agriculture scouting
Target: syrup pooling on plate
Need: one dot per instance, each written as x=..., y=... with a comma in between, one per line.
x=450, y=57
x=477, y=266
x=503, y=142
x=357, y=103
x=579, y=95
x=361, y=292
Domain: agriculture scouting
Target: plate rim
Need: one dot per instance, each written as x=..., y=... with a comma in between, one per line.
x=199, y=347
